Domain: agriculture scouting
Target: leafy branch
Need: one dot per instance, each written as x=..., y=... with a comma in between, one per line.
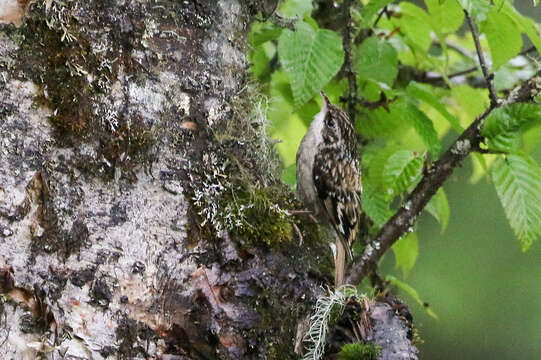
x=484, y=68
x=434, y=177
x=348, y=43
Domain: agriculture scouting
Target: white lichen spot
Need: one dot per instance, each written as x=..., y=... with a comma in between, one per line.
x=462, y=147
x=212, y=46
x=149, y=98
x=407, y=205
x=212, y=106
x=151, y=29
x=59, y=14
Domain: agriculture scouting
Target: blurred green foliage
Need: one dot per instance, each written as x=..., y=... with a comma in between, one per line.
x=419, y=60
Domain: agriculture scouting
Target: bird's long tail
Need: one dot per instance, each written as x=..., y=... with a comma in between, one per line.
x=340, y=262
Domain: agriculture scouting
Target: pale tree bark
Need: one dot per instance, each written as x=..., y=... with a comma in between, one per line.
x=140, y=211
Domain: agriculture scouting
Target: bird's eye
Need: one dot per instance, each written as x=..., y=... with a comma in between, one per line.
x=330, y=123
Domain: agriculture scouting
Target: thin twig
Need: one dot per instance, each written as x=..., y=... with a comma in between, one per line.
x=282, y=22
x=432, y=180
x=382, y=102
x=463, y=72
x=458, y=49
x=528, y=50
x=482, y=62
x=490, y=151
x=435, y=79
x=380, y=15
x=348, y=62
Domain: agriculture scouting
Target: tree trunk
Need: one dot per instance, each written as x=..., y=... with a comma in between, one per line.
x=141, y=213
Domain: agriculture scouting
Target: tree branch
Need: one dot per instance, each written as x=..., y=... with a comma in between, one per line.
x=482, y=62
x=433, y=179
x=348, y=62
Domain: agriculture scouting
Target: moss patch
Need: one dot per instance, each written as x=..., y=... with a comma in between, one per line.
x=359, y=351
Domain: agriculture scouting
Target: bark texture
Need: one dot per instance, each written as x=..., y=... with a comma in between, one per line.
x=140, y=211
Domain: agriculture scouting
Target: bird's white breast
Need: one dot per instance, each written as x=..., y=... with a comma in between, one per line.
x=306, y=190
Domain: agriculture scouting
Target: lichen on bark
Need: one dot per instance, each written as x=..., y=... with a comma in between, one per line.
x=114, y=115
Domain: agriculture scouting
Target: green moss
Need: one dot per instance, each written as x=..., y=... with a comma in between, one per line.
x=262, y=214
x=280, y=351
x=277, y=322
x=359, y=351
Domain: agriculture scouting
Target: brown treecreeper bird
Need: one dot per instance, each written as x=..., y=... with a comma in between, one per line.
x=329, y=180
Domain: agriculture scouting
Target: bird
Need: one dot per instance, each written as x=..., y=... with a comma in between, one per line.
x=329, y=178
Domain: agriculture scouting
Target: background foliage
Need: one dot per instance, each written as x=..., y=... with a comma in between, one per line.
x=418, y=59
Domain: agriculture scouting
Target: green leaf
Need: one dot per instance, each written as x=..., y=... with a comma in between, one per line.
x=525, y=24
x=415, y=23
x=402, y=169
x=260, y=62
x=296, y=8
x=369, y=11
x=438, y=207
x=503, y=37
x=517, y=179
x=446, y=16
x=406, y=251
x=377, y=60
x=375, y=206
x=374, y=158
x=382, y=123
x=263, y=32
x=503, y=127
x=425, y=93
x=422, y=125
x=310, y=58
x=477, y=9
x=411, y=292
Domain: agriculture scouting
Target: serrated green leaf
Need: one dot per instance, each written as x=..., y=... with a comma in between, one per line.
x=377, y=60
x=402, y=169
x=415, y=23
x=517, y=179
x=310, y=58
x=368, y=12
x=411, y=292
x=503, y=36
x=446, y=16
x=374, y=158
x=375, y=206
x=296, y=8
x=477, y=9
x=382, y=123
x=405, y=252
x=425, y=93
x=438, y=207
x=422, y=125
x=503, y=127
